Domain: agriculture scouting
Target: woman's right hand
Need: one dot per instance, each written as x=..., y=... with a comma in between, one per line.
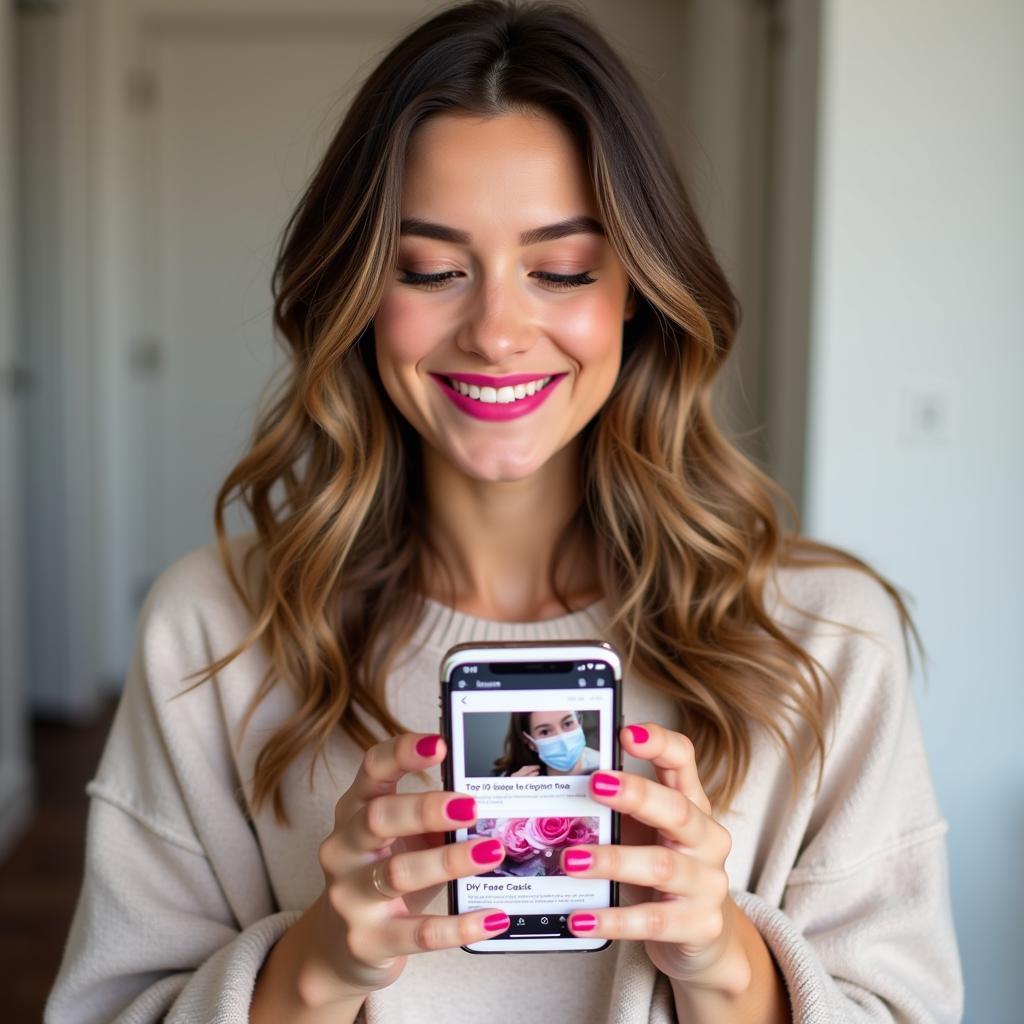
x=383, y=863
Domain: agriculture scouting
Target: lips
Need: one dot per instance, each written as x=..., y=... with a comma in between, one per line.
x=502, y=403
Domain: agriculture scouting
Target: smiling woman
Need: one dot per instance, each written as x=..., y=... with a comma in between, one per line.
x=530, y=290
x=505, y=323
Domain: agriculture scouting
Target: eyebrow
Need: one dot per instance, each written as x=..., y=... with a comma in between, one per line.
x=573, y=226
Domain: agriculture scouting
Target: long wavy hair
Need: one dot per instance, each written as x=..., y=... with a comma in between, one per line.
x=684, y=528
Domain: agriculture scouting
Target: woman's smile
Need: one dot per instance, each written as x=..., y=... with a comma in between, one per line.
x=497, y=398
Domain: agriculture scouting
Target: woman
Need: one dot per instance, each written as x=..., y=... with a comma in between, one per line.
x=546, y=743
x=499, y=214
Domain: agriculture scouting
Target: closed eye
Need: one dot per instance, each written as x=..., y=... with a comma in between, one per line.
x=431, y=282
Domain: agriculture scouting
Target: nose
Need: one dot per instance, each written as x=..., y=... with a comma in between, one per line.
x=497, y=326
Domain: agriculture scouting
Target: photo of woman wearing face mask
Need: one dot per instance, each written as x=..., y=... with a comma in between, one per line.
x=546, y=743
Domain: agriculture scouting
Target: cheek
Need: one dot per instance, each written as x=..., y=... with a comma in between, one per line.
x=591, y=331
x=401, y=330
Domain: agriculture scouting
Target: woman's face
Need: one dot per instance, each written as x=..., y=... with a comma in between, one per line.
x=494, y=319
x=550, y=723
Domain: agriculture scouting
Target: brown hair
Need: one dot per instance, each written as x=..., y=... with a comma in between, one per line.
x=685, y=530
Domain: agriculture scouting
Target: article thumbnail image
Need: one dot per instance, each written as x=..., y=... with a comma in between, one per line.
x=533, y=845
x=531, y=742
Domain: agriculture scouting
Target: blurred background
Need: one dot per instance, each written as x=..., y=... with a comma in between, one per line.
x=858, y=165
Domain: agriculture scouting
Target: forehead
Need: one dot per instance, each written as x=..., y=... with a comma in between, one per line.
x=516, y=170
x=547, y=717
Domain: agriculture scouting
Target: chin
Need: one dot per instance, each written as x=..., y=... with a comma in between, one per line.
x=500, y=467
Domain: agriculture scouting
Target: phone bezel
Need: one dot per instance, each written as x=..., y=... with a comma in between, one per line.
x=531, y=650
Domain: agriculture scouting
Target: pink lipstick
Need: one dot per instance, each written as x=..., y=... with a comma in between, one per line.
x=503, y=404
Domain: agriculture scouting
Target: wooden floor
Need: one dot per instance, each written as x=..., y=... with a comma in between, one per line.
x=40, y=879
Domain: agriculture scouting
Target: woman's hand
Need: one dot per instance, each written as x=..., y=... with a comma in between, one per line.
x=383, y=863
x=528, y=769
x=686, y=925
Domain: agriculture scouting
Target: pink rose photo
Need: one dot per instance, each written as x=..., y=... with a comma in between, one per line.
x=532, y=845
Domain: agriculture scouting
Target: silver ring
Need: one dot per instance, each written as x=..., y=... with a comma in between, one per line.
x=380, y=884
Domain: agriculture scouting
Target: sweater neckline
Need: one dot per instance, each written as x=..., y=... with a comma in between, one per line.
x=442, y=626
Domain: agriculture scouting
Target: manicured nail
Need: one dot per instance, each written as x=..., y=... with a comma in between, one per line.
x=484, y=853
x=638, y=733
x=582, y=922
x=461, y=808
x=496, y=922
x=605, y=785
x=426, y=746
x=577, y=860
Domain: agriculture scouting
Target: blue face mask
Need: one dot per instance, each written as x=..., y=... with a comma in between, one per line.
x=561, y=752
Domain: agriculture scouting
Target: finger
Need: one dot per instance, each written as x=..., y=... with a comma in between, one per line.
x=402, y=873
x=675, y=921
x=402, y=934
x=383, y=819
x=658, y=867
x=677, y=817
x=385, y=763
x=673, y=757
x=406, y=934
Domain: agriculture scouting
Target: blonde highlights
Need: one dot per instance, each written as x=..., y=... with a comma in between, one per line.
x=684, y=526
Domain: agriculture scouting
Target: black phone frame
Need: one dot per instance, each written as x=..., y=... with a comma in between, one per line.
x=444, y=722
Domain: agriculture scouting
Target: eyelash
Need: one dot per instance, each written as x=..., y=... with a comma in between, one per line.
x=542, y=733
x=431, y=282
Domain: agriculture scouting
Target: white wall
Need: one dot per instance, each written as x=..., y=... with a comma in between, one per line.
x=17, y=780
x=57, y=263
x=916, y=456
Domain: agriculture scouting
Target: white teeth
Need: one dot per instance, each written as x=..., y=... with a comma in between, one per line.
x=502, y=395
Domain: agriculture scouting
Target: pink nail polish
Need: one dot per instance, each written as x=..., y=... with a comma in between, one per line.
x=577, y=860
x=638, y=733
x=582, y=922
x=496, y=922
x=484, y=853
x=605, y=785
x=461, y=808
x=426, y=746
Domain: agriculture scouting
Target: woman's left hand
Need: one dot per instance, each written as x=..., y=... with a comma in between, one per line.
x=686, y=928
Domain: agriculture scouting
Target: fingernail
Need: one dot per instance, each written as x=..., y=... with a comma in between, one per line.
x=638, y=733
x=496, y=922
x=484, y=853
x=582, y=922
x=578, y=860
x=461, y=808
x=426, y=746
x=605, y=785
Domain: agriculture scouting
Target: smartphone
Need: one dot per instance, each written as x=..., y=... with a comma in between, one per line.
x=526, y=724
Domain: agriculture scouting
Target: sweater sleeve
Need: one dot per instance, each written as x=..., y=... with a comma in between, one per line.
x=152, y=937
x=175, y=915
x=865, y=930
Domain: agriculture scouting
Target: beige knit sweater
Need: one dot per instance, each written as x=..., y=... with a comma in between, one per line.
x=185, y=891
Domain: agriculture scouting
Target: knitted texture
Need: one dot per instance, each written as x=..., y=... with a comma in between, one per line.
x=187, y=888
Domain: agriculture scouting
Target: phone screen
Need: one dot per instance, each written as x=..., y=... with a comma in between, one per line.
x=526, y=726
